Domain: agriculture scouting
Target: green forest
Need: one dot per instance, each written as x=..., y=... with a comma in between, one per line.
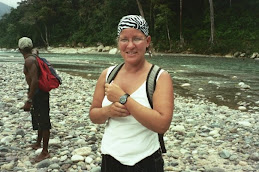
x=176, y=26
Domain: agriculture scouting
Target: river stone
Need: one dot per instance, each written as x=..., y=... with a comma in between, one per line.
x=77, y=158
x=96, y=169
x=88, y=160
x=38, y=151
x=215, y=170
x=54, y=166
x=254, y=156
x=245, y=123
x=63, y=158
x=84, y=151
x=55, y=142
x=8, y=166
x=186, y=85
x=179, y=129
x=224, y=154
x=44, y=164
x=20, y=132
x=7, y=139
x=242, y=108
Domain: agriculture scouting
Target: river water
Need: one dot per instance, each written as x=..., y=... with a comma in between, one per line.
x=214, y=78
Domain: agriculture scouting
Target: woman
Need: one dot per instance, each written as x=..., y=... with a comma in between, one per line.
x=130, y=141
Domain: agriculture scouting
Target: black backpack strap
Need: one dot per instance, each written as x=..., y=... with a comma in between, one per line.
x=150, y=88
x=151, y=83
x=162, y=143
x=114, y=72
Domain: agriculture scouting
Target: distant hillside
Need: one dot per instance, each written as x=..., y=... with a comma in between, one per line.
x=4, y=9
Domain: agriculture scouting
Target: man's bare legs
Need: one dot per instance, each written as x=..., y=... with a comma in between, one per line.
x=37, y=145
x=44, y=134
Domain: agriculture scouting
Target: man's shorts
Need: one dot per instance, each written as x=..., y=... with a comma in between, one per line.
x=40, y=111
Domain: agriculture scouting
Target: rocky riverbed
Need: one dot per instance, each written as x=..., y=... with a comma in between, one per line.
x=203, y=136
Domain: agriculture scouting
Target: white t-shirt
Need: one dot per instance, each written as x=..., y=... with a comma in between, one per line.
x=125, y=138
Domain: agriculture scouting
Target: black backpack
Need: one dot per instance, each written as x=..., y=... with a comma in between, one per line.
x=150, y=88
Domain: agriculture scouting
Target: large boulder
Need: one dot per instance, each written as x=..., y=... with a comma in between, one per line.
x=237, y=54
x=100, y=48
x=113, y=51
x=254, y=55
x=107, y=49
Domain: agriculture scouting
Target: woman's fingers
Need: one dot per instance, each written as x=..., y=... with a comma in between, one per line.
x=119, y=110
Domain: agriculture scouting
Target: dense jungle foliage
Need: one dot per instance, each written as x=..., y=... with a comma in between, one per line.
x=89, y=22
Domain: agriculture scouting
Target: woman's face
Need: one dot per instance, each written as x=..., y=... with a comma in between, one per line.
x=132, y=44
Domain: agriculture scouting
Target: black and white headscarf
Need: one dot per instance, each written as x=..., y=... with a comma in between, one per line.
x=133, y=21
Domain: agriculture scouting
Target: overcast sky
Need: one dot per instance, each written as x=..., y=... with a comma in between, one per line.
x=12, y=3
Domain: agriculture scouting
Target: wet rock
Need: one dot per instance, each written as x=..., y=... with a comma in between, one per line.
x=224, y=154
x=44, y=164
x=215, y=170
x=254, y=156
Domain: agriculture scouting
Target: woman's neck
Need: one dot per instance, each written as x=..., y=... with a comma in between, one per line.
x=136, y=67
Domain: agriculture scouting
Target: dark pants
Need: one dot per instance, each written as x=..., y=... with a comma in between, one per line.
x=153, y=163
x=40, y=111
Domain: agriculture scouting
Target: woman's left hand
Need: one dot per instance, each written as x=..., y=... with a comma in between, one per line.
x=113, y=92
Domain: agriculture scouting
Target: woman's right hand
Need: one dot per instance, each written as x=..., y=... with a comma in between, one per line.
x=117, y=110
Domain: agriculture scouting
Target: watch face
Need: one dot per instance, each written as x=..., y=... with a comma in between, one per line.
x=123, y=99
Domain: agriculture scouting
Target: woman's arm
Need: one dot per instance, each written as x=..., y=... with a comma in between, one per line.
x=157, y=119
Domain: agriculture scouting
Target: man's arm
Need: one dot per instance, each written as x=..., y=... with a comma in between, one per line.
x=32, y=75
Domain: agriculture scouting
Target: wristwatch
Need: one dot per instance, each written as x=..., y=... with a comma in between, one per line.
x=123, y=99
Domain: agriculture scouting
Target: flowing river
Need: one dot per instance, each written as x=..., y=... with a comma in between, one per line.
x=217, y=79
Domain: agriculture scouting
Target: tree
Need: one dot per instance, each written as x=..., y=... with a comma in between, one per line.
x=163, y=19
x=181, y=35
x=140, y=9
x=69, y=22
x=212, y=27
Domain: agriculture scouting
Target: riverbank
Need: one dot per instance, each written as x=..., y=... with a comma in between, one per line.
x=113, y=50
x=202, y=137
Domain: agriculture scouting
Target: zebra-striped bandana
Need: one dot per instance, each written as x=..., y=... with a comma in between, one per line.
x=133, y=21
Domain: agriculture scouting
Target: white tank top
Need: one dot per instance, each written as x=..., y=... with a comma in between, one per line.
x=125, y=138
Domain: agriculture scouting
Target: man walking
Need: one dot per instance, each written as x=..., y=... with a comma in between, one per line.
x=38, y=101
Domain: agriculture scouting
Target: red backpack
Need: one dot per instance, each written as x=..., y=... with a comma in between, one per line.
x=48, y=78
